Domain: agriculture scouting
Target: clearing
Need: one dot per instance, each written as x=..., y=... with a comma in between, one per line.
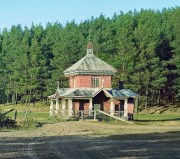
x=91, y=140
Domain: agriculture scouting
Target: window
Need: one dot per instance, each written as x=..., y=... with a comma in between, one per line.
x=95, y=81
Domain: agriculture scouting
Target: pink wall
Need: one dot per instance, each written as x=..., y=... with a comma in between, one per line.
x=85, y=81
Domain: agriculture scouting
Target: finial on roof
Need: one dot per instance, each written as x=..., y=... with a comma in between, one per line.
x=89, y=48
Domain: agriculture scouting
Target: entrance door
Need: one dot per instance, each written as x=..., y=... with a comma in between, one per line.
x=97, y=107
x=81, y=105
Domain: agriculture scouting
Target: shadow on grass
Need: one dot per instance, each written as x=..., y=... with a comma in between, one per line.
x=152, y=145
x=156, y=120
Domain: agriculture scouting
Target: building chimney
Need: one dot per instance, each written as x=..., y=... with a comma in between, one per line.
x=121, y=85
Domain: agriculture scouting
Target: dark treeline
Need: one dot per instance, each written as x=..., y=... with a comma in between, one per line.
x=144, y=46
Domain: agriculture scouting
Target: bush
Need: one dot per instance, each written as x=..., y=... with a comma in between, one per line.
x=28, y=121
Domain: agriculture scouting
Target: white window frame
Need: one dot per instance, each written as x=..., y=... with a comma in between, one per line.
x=95, y=82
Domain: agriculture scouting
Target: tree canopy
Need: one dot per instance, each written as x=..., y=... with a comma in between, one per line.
x=143, y=46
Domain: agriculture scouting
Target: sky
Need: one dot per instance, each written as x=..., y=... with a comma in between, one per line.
x=26, y=12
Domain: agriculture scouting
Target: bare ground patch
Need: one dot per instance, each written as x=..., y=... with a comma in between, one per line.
x=89, y=140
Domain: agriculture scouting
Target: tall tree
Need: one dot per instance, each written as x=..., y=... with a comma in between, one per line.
x=176, y=57
x=37, y=64
x=143, y=46
x=148, y=68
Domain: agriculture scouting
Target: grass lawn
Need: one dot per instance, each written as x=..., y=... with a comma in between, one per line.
x=41, y=114
x=157, y=117
x=172, y=119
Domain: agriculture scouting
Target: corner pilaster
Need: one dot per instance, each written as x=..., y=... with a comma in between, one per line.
x=126, y=108
x=51, y=112
x=57, y=107
x=90, y=106
x=70, y=111
x=111, y=107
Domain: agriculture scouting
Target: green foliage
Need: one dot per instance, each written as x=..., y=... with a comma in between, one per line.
x=28, y=120
x=176, y=55
x=143, y=46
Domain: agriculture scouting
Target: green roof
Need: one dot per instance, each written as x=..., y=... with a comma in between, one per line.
x=90, y=65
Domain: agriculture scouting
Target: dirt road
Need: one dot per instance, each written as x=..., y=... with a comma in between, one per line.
x=87, y=140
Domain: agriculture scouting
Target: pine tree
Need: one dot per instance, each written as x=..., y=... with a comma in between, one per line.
x=176, y=57
x=148, y=69
x=37, y=63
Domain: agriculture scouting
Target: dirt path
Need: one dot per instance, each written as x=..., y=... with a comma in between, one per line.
x=89, y=140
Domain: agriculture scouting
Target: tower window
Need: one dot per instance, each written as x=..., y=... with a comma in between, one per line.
x=90, y=51
x=95, y=81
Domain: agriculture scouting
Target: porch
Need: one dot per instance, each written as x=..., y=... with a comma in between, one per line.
x=87, y=108
x=118, y=103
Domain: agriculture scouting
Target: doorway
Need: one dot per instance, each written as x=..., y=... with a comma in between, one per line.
x=97, y=106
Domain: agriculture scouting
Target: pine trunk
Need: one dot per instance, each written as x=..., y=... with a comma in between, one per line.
x=136, y=106
x=7, y=100
x=13, y=99
x=146, y=101
x=26, y=101
x=159, y=98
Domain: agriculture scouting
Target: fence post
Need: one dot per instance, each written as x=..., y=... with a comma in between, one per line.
x=95, y=115
x=82, y=114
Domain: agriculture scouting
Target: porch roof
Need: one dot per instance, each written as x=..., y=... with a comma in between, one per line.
x=92, y=92
x=77, y=92
x=121, y=94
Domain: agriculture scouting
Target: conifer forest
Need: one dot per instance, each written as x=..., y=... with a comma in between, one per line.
x=144, y=46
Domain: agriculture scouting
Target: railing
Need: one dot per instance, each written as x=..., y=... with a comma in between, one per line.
x=119, y=114
x=92, y=114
